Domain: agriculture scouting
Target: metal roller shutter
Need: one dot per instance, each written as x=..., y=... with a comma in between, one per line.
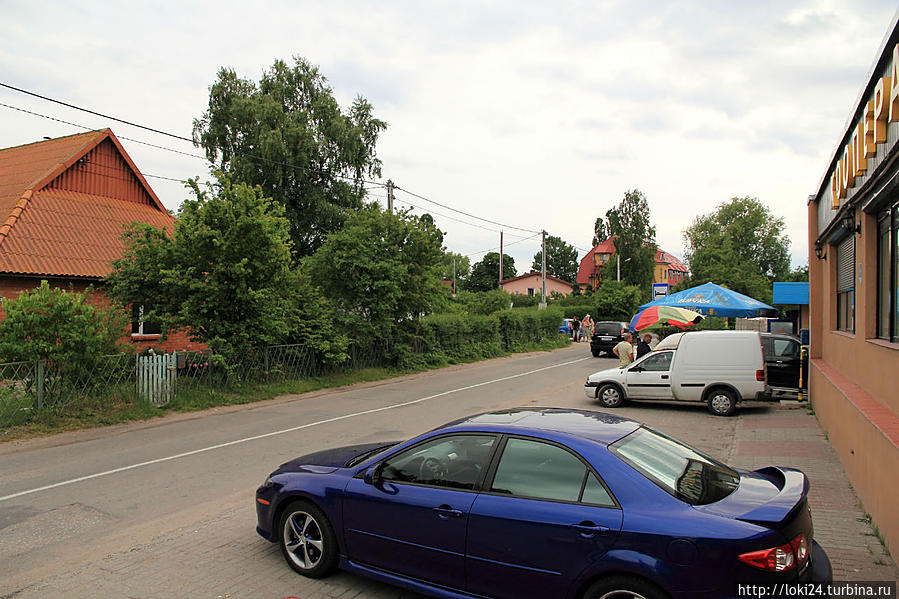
x=846, y=264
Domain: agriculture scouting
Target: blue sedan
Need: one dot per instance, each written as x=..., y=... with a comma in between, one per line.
x=542, y=502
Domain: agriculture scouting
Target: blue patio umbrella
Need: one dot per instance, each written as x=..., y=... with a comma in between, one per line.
x=714, y=300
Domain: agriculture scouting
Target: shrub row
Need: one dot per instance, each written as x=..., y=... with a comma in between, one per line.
x=451, y=338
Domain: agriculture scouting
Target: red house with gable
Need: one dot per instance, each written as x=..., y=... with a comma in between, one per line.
x=64, y=204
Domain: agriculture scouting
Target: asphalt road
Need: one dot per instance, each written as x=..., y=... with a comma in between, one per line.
x=165, y=508
x=72, y=499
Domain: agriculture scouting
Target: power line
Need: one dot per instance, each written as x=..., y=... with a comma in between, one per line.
x=375, y=184
x=507, y=245
x=100, y=114
x=492, y=222
x=180, y=137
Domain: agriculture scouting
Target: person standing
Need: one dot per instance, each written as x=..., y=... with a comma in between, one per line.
x=586, y=327
x=575, y=329
x=624, y=350
x=643, y=346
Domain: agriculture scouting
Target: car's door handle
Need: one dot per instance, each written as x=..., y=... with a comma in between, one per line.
x=444, y=512
x=588, y=529
x=664, y=377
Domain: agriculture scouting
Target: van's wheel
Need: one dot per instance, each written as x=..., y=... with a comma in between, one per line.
x=722, y=402
x=595, y=353
x=624, y=587
x=610, y=396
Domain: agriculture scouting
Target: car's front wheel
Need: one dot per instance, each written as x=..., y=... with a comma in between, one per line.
x=610, y=396
x=307, y=540
x=624, y=587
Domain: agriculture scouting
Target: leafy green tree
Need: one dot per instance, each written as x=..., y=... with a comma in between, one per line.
x=600, y=233
x=617, y=301
x=380, y=270
x=635, y=242
x=484, y=274
x=288, y=135
x=798, y=275
x=224, y=272
x=453, y=262
x=561, y=259
x=740, y=245
x=49, y=323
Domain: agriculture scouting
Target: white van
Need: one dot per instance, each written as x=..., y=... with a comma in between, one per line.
x=720, y=368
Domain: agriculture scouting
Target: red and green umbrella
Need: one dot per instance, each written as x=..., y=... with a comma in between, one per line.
x=679, y=317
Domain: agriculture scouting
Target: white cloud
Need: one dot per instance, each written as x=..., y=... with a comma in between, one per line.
x=538, y=115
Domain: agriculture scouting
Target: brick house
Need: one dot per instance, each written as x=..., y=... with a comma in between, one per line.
x=64, y=204
x=668, y=269
x=532, y=284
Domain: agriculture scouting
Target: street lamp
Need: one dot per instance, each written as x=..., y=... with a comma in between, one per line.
x=619, y=265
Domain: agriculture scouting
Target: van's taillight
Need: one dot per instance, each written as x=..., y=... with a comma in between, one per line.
x=760, y=375
x=778, y=559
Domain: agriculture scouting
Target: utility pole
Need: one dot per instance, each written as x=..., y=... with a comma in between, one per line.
x=389, y=196
x=454, y=275
x=543, y=251
x=500, y=257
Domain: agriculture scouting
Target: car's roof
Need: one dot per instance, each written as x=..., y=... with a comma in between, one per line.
x=595, y=426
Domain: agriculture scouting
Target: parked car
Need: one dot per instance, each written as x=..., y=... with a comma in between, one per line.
x=606, y=335
x=566, y=326
x=720, y=368
x=787, y=367
x=542, y=502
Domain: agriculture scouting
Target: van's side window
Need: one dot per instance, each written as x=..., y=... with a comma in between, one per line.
x=657, y=362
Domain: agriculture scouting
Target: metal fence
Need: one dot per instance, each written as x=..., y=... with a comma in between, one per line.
x=32, y=389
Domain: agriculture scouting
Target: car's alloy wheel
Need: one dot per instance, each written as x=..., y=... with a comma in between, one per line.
x=307, y=540
x=610, y=396
x=624, y=587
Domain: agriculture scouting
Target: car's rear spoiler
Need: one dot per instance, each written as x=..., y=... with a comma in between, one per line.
x=793, y=485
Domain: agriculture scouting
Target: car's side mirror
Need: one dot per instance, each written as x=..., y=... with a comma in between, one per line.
x=372, y=476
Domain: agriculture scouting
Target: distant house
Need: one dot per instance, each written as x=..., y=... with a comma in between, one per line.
x=532, y=284
x=589, y=273
x=668, y=269
x=64, y=204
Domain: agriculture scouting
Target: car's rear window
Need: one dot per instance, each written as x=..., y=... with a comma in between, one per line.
x=607, y=328
x=690, y=476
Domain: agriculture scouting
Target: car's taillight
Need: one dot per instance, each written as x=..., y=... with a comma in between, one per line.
x=800, y=548
x=760, y=375
x=778, y=559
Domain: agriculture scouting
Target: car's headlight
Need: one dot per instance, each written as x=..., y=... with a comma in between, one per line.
x=268, y=482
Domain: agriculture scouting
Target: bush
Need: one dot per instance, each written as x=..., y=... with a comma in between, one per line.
x=63, y=326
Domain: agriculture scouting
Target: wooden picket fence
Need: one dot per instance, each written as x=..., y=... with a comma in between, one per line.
x=156, y=378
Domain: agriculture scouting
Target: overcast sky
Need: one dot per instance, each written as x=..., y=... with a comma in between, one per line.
x=536, y=115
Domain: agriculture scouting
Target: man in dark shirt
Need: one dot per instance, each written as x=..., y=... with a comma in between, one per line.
x=643, y=346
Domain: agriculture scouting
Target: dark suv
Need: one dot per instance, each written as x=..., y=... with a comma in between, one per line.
x=785, y=363
x=606, y=335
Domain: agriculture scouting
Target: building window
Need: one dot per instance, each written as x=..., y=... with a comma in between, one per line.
x=140, y=327
x=888, y=273
x=846, y=285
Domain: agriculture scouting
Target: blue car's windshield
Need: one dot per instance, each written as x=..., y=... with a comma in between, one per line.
x=679, y=469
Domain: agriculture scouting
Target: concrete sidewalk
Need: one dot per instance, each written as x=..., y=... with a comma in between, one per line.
x=222, y=557
x=790, y=435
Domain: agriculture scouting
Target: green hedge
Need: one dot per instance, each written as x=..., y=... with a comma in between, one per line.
x=452, y=338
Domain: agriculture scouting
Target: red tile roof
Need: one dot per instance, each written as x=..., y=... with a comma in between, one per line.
x=64, y=204
x=663, y=257
x=588, y=264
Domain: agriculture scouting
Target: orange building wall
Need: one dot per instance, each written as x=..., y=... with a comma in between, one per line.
x=521, y=286
x=853, y=380
x=11, y=287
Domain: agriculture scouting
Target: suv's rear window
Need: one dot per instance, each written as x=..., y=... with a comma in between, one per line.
x=606, y=328
x=690, y=476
